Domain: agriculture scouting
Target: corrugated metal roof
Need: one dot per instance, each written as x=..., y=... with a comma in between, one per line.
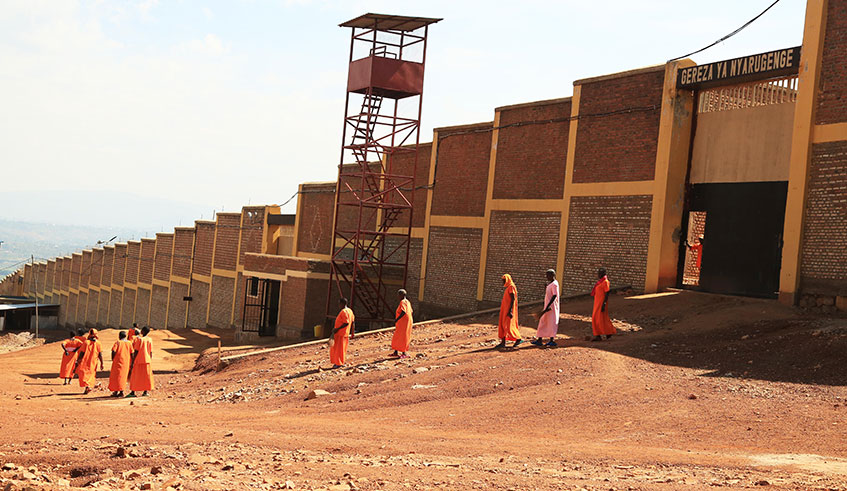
x=390, y=22
x=22, y=306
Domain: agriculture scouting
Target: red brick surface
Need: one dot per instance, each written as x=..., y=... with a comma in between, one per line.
x=403, y=163
x=164, y=255
x=72, y=303
x=531, y=157
x=823, y=265
x=452, y=267
x=204, y=249
x=461, y=171
x=183, y=244
x=108, y=266
x=133, y=260
x=76, y=269
x=96, y=267
x=226, y=244
x=252, y=227
x=316, y=214
x=611, y=232
x=63, y=310
x=85, y=273
x=51, y=275
x=618, y=147
x=525, y=245
x=119, y=268
x=832, y=99
x=148, y=258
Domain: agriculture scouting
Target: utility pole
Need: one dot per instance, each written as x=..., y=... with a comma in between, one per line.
x=35, y=278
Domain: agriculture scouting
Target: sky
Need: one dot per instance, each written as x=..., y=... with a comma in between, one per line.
x=153, y=113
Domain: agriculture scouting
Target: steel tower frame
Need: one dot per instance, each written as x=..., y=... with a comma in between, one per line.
x=372, y=224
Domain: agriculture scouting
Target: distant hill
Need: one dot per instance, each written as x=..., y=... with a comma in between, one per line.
x=21, y=240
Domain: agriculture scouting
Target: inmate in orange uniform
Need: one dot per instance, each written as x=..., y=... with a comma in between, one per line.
x=130, y=335
x=69, y=353
x=120, y=365
x=141, y=377
x=507, y=328
x=338, y=351
x=601, y=324
x=87, y=370
x=403, y=328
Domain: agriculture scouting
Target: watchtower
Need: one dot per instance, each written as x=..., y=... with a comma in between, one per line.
x=373, y=202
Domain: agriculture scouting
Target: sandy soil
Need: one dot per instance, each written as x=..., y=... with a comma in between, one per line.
x=698, y=391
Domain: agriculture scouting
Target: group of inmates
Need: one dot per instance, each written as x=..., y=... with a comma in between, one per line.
x=507, y=326
x=132, y=356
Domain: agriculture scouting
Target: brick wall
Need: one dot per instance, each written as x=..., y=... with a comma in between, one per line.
x=204, y=248
x=823, y=264
x=525, y=245
x=148, y=258
x=82, y=308
x=85, y=274
x=103, y=308
x=402, y=164
x=220, y=310
x=96, y=267
x=73, y=300
x=176, y=309
x=115, y=307
x=531, y=157
x=164, y=255
x=159, y=307
x=133, y=261
x=611, y=232
x=119, y=268
x=63, y=310
x=108, y=265
x=619, y=147
x=226, y=244
x=452, y=267
x=832, y=98
x=317, y=206
x=348, y=216
x=461, y=170
x=92, y=308
x=128, y=308
x=252, y=228
x=66, y=272
x=76, y=269
x=142, y=306
x=198, y=305
x=183, y=244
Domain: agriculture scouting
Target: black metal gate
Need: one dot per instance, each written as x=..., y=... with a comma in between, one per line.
x=742, y=239
x=261, y=306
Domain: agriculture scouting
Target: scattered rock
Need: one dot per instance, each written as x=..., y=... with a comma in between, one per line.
x=9, y=466
x=317, y=393
x=156, y=470
x=762, y=483
x=129, y=475
x=146, y=485
x=229, y=434
x=120, y=453
x=420, y=370
x=420, y=386
x=692, y=396
x=288, y=485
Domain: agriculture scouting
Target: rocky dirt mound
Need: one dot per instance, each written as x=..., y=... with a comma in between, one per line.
x=18, y=341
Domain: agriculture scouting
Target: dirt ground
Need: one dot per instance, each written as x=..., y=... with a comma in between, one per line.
x=696, y=392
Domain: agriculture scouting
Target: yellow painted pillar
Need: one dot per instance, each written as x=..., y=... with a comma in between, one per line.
x=489, y=195
x=669, y=182
x=801, y=141
x=433, y=159
x=568, y=187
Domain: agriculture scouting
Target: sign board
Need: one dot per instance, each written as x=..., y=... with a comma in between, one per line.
x=772, y=64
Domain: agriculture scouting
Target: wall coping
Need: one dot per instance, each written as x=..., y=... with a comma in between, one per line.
x=627, y=73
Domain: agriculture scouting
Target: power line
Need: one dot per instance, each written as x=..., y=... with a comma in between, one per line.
x=733, y=33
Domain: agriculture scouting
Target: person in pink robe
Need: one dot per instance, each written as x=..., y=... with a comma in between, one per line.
x=548, y=319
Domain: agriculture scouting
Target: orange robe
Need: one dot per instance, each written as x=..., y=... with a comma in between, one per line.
x=130, y=335
x=120, y=365
x=403, y=328
x=507, y=328
x=338, y=351
x=71, y=351
x=87, y=369
x=601, y=324
x=141, y=377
